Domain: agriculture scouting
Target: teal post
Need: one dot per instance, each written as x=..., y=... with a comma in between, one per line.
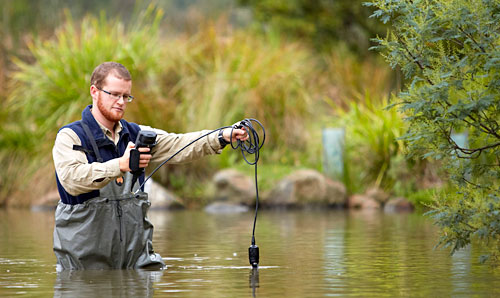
x=461, y=139
x=333, y=152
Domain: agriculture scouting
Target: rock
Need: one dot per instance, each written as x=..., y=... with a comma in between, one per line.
x=309, y=186
x=306, y=187
x=398, y=205
x=225, y=208
x=362, y=201
x=282, y=194
x=234, y=186
x=336, y=193
x=47, y=202
x=161, y=198
x=377, y=194
x=355, y=201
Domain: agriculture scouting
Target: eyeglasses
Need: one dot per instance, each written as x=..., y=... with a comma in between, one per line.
x=127, y=98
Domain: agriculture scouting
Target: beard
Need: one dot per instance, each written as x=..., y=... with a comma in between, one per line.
x=108, y=113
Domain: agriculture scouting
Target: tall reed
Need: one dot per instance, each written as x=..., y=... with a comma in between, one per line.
x=53, y=90
x=219, y=76
x=181, y=83
x=373, y=146
x=350, y=77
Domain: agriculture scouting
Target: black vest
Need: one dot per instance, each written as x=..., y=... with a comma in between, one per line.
x=107, y=149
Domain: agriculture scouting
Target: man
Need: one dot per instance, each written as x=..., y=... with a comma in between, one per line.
x=100, y=223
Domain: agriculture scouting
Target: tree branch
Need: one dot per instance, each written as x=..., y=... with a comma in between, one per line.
x=472, y=38
x=414, y=58
x=472, y=151
x=476, y=185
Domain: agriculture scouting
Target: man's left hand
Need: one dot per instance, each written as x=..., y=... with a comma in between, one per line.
x=238, y=134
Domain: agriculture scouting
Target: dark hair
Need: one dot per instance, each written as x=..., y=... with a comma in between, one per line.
x=104, y=69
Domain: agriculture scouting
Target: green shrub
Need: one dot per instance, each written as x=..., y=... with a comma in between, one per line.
x=322, y=23
x=348, y=78
x=450, y=51
x=217, y=77
x=206, y=81
x=181, y=83
x=371, y=144
x=53, y=89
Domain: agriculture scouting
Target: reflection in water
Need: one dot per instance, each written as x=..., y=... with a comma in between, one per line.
x=334, y=255
x=254, y=280
x=461, y=269
x=106, y=283
x=302, y=254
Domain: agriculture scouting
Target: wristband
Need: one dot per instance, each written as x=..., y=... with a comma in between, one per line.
x=222, y=141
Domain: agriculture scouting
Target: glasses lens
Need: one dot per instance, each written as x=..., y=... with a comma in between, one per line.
x=127, y=98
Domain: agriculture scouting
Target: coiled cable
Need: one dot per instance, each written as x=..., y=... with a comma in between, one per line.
x=249, y=147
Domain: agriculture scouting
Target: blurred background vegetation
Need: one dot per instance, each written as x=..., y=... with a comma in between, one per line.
x=297, y=66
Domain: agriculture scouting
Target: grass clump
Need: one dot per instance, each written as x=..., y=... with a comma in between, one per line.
x=53, y=90
x=212, y=78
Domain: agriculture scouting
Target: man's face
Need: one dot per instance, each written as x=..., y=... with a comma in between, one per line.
x=113, y=109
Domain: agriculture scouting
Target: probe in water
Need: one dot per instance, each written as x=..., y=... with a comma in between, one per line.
x=249, y=147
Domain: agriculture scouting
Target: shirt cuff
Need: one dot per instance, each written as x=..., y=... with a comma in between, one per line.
x=113, y=168
x=213, y=141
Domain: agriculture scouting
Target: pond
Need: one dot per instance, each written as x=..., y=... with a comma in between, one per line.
x=302, y=254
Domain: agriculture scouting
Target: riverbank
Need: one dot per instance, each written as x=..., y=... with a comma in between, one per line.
x=234, y=192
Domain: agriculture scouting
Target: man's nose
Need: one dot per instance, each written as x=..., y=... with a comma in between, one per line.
x=121, y=99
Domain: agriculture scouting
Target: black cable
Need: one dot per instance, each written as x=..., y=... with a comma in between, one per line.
x=251, y=146
x=180, y=150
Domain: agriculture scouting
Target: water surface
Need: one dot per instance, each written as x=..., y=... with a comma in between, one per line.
x=302, y=254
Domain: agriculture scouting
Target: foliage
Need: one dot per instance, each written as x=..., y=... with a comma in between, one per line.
x=214, y=78
x=22, y=18
x=449, y=51
x=372, y=143
x=320, y=22
x=53, y=90
x=476, y=216
x=208, y=79
x=424, y=198
x=217, y=77
x=348, y=78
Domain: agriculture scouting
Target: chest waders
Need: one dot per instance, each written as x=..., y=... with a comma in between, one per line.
x=110, y=231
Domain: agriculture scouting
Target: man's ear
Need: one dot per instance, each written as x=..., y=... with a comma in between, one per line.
x=93, y=91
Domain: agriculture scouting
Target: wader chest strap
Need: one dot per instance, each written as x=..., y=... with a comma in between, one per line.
x=92, y=141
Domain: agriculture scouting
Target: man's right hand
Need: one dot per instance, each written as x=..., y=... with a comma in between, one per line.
x=125, y=159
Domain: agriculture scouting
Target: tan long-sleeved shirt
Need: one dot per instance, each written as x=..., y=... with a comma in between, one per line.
x=77, y=176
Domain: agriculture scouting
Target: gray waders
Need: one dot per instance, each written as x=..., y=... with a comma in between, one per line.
x=107, y=232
